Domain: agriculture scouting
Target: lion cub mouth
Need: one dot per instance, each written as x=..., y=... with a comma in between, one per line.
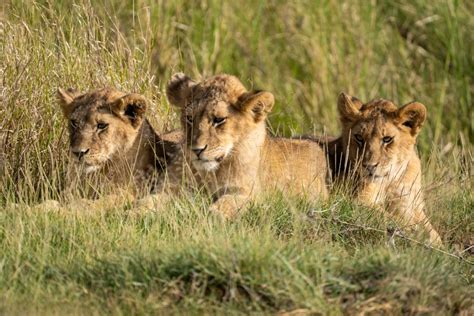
x=207, y=164
x=88, y=168
x=375, y=176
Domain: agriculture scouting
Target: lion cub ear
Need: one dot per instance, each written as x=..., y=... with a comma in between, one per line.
x=178, y=89
x=259, y=103
x=348, y=107
x=133, y=106
x=66, y=98
x=412, y=116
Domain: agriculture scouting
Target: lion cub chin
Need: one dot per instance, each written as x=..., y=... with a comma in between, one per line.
x=376, y=154
x=227, y=143
x=110, y=136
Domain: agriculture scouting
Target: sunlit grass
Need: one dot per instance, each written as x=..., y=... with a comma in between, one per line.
x=283, y=254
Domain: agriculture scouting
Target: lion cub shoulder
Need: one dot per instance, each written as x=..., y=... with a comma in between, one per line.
x=227, y=143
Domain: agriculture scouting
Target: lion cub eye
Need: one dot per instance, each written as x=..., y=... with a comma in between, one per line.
x=73, y=123
x=102, y=126
x=218, y=121
x=387, y=139
x=359, y=138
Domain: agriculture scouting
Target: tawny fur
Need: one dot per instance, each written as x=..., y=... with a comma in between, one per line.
x=125, y=147
x=228, y=147
x=376, y=154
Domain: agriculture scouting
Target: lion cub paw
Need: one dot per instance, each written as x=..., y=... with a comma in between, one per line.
x=228, y=206
x=151, y=202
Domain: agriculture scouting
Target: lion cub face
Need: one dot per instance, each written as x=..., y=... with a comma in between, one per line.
x=378, y=136
x=216, y=114
x=103, y=124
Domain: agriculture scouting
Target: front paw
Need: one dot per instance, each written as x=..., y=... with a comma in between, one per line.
x=431, y=235
x=370, y=194
x=227, y=206
x=151, y=202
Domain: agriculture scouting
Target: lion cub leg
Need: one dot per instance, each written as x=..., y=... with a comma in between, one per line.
x=229, y=205
x=409, y=208
x=406, y=206
x=155, y=201
x=318, y=190
x=371, y=194
x=104, y=202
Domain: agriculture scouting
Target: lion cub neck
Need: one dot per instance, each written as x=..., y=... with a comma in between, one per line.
x=143, y=159
x=241, y=168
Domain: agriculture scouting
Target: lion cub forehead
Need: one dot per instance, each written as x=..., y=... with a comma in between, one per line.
x=99, y=96
x=91, y=101
x=378, y=108
x=225, y=88
x=212, y=108
x=376, y=127
x=220, y=109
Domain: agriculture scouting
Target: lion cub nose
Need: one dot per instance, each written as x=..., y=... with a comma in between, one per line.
x=198, y=150
x=80, y=153
x=370, y=167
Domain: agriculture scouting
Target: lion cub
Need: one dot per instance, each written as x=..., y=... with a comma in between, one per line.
x=228, y=145
x=108, y=133
x=376, y=152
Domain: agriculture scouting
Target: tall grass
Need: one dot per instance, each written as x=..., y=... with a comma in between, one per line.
x=283, y=254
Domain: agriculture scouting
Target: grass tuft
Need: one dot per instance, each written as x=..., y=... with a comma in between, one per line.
x=284, y=254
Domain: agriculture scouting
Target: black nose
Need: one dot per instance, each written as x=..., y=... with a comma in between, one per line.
x=80, y=153
x=370, y=167
x=198, y=150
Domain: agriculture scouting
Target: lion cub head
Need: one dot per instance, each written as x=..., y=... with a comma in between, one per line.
x=378, y=137
x=103, y=124
x=217, y=114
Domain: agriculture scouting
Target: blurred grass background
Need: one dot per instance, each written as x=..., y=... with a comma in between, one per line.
x=305, y=52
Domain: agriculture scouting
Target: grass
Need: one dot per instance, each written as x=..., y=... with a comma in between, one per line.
x=283, y=254
x=273, y=258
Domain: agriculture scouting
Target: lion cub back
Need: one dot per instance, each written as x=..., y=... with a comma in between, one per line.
x=297, y=166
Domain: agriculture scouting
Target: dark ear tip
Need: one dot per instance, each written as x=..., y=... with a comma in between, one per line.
x=177, y=79
x=344, y=98
x=178, y=76
x=133, y=106
x=135, y=99
x=176, y=82
x=177, y=88
x=68, y=90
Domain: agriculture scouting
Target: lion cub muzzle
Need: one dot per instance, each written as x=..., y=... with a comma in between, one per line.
x=206, y=159
x=370, y=168
x=79, y=153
